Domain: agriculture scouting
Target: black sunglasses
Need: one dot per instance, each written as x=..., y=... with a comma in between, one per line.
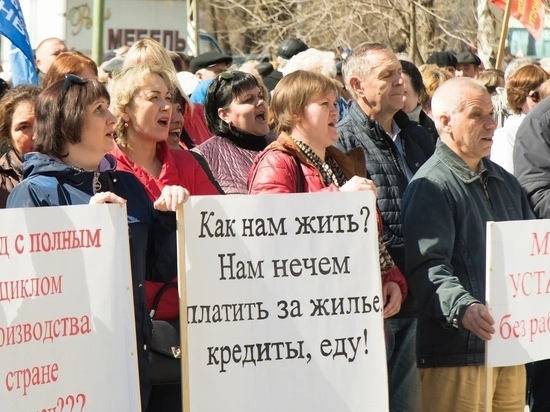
x=71, y=79
x=534, y=95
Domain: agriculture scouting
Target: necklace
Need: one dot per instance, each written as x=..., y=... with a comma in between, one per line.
x=97, y=183
x=329, y=169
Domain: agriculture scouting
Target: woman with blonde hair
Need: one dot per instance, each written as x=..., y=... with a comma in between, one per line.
x=151, y=52
x=523, y=91
x=142, y=104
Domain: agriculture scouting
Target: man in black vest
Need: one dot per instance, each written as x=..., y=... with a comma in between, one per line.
x=395, y=148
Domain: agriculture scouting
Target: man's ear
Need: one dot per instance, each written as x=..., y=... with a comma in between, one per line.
x=356, y=86
x=445, y=123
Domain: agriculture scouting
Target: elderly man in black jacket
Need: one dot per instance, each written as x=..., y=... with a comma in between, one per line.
x=445, y=211
x=395, y=148
x=532, y=168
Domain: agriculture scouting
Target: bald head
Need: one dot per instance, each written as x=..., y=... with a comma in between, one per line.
x=464, y=116
x=452, y=95
x=47, y=51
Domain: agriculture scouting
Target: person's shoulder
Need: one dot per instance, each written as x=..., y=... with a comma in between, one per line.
x=432, y=170
x=213, y=142
x=182, y=156
x=34, y=190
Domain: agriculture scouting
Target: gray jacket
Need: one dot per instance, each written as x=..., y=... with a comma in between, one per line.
x=532, y=158
x=445, y=210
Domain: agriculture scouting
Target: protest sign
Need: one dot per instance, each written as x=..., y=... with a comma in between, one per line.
x=518, y=291
x=67, y=333
x=284, y=304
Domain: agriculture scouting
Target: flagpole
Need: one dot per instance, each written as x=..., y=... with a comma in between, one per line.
x=97, y=31
x=503, y=34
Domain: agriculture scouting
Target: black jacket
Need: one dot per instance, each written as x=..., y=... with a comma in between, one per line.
x=427, y=123
x=386, y=169
x=445, y=210
x=49, y=182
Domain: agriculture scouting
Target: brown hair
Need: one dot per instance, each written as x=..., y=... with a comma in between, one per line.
x=433, y=77
x=524, y=80
x=294, y=92
x=68, y=62
x=9, y=102
x=491, y=79
x=59, y=116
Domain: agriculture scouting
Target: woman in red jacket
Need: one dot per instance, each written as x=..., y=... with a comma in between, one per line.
x=302, y=159
x=142, y=103
x=142, y=97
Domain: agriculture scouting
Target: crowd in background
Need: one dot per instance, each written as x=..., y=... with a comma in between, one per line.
x=443, y=152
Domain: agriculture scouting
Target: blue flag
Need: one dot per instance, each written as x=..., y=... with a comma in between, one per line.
x=12, y=26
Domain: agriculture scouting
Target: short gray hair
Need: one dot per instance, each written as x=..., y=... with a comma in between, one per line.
x=450, y=97
x=357, y=64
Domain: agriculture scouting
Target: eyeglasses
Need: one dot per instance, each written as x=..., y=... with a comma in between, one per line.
x=534, y=96
x=71, y=79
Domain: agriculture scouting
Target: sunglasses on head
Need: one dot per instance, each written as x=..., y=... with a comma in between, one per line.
x=71, y=79
x=534, y=95
x=225, y=76
x=222, y=76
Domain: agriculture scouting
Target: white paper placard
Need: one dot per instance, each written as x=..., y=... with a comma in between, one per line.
x=67, y=333
x=518, y=291
x=284, y=303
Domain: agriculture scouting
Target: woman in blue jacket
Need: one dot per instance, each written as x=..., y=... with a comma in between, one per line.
x=71, y=166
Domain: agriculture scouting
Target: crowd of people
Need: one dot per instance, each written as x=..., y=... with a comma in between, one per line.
x=446, y=147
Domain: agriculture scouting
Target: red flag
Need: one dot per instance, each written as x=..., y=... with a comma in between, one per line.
x=530, y=13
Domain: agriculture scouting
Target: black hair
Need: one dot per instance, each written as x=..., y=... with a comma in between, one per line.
x=221, y=93
x=416, y=78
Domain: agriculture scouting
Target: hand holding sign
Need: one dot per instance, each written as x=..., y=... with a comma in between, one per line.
x=478, y=319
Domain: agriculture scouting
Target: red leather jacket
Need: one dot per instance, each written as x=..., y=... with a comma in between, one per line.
x=275, y=171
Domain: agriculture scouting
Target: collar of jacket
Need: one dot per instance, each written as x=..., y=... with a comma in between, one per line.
x=352, y=162
x=11, y=165
x=455, y=163
x=358, y=115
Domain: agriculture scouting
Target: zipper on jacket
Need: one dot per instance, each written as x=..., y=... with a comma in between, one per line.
x=484, y=180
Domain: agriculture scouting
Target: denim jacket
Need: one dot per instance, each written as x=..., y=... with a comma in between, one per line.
x=445, y=210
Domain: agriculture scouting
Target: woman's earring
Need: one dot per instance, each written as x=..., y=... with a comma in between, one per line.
x=125, y=125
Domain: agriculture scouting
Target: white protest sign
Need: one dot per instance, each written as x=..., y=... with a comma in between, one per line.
x=518, y=291
x=284, y=303
x=67, y=333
